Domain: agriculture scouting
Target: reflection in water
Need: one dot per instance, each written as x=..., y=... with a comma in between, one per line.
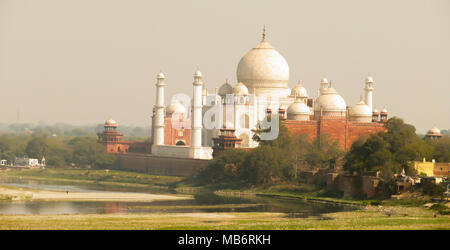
x=205, y=202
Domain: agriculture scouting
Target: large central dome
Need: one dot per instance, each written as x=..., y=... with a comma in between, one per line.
x=265, y=70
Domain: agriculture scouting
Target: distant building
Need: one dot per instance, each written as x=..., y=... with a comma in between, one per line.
x=431, y=169
x=26, y=162
x=112, y=140
x=434, y=133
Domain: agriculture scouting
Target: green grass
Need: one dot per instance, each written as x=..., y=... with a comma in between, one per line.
x=416, y=219
x=97, y=176
x=299, y=191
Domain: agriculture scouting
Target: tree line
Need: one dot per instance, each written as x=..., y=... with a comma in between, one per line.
x=79, y=150
x=279, y=160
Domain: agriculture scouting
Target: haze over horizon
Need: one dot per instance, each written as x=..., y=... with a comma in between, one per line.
x=83, y=61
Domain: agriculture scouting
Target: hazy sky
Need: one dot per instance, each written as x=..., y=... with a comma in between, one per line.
x=82, y=61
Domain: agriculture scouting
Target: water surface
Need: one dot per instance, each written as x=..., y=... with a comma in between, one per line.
x=207, y=202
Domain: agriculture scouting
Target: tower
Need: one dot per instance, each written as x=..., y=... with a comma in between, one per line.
x=368, y=90
x=196, y=128
x=158, y=122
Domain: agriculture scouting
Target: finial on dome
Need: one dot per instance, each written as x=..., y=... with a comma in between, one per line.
x=160, y=75
x=264, y=33
x=360, y=98
x=198, y=73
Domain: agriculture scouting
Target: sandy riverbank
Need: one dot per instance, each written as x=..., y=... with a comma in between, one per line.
x=43, y=195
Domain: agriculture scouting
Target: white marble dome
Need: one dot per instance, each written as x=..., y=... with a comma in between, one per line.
x=330, y=100
x=299, y=91
x=225, y=89
x=298, y=108
x=264, y=69
x=176, y=107
x=240, y=89
x=360, y=109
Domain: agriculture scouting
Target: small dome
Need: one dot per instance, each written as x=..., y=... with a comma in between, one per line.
x=198, y=73
x=298, y=108
x=160, y=75
x=434, y=130
x=324, y=80
x=240, y=89
x=384, y=111
x=376, y=112
x=110, y=122
x=369, y=79
x=330, y=100
x=225, y=89
x=176, y=107
x=299, y=91
x=360, y=109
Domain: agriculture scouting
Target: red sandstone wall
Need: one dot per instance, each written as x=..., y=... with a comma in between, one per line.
x=356, y=130
x=344, y=132
x=302, y=127
x=117, y=147
x=160, y=165
x=335, y=129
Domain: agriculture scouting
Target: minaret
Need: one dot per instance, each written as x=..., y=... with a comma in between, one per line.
x=196, y=128
x=158, y=123
x=368, y=92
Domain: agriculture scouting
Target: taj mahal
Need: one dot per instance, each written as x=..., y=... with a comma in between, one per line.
x=228, y=116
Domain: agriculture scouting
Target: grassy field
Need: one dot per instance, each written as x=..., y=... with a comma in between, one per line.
x=106, y=177
x=399, y=218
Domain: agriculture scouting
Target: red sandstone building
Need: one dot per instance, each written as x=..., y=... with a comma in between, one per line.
x=112, y=140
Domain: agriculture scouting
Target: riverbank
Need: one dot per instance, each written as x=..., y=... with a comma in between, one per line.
x=102, y=177
x=26, y=194
x=367, y=219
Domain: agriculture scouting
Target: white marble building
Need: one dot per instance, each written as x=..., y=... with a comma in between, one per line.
x=262, y=87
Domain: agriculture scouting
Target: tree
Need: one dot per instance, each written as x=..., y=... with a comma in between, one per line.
x=262, y=165
x=227, y=167
x=87, y=152
x=37, y=147
x=388, y=152
x=323, y=152
x=441, y=148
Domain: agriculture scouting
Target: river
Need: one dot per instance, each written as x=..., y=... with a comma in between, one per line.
x=205, y=202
